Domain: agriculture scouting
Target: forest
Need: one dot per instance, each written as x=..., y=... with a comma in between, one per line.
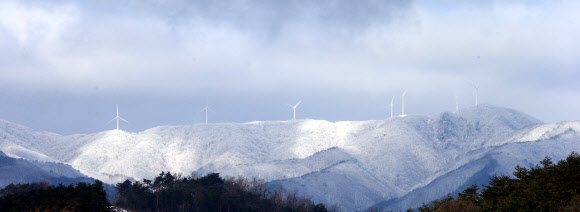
x=45, y=197
x=166, y=192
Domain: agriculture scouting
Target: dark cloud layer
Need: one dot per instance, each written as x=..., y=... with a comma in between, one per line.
x=64, y=64
x=251, y=15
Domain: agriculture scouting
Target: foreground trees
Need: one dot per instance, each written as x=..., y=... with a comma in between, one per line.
x=545, y=187
x=45, y=197
x=164, y=193
x=209, y=193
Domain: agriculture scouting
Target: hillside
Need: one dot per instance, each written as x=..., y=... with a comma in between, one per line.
x=354, y=163
x=17, y=171
x=526, y=148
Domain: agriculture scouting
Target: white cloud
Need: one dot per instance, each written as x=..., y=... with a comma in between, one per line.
x=155, y=43
x=31, y=24
x=266, y=48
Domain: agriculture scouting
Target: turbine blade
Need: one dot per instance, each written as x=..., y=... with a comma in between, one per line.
x=290, y=105
x=392, y=99
x=404, y=93
x=110, y=121
x=123, y=120
x=297, y=104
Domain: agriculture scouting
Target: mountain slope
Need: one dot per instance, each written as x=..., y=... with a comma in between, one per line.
x=379, y=160
x=16, y=171
x=526, y=148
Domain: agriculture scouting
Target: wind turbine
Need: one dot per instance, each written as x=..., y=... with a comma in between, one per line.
x=294, y=108
x=392, y=99
x=476, y=87
x=118, y=118
x=403, y=103
x=206, y=110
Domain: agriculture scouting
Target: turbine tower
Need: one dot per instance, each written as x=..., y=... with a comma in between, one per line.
x=476, y=87
x=392, y=99
x=294, y=108
x=118, y=118
x=206, y=109
x=403, y=103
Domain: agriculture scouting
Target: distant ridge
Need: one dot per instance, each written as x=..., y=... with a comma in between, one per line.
x=16, y=171
x=355, y=163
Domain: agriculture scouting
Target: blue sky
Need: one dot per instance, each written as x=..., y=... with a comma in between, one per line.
x=65, y=64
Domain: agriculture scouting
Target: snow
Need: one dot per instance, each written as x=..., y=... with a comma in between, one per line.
x=547, y=131
x=501, y=159
x=354, y=163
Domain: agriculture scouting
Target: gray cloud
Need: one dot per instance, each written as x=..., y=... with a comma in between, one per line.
x=259, y=14
x=339, y=54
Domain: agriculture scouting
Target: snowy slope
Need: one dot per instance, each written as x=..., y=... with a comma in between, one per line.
x=22, y=142
x=354, y=163
x=526, y=148
x=403, y=154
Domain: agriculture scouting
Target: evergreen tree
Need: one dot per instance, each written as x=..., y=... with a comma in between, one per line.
x=168, y=192
x=544, y=187
x=45, y=197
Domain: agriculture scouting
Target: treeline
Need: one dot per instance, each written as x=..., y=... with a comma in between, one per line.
x=169, y=192
x=545, y=187
x=45, y=197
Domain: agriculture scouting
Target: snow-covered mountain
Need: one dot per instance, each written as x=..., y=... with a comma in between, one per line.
x=526, y=148
x=22, y=160
x=356, y=164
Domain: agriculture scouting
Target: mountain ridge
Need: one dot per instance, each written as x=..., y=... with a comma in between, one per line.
x=381, y=159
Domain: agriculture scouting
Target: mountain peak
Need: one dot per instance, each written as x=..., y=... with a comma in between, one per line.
x=497, y=114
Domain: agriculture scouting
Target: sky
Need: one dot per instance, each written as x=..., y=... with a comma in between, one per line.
x=64, y=65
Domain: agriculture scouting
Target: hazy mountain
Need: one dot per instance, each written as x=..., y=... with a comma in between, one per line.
x=354, y=163
x=16, y=171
